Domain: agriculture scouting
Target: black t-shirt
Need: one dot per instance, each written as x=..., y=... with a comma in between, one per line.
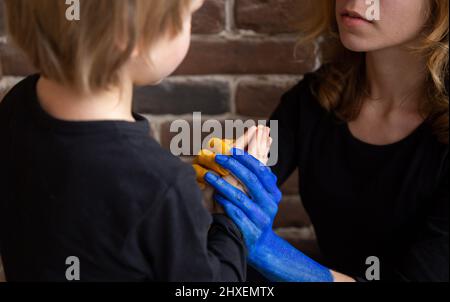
x=364, y=200
x=107, y=193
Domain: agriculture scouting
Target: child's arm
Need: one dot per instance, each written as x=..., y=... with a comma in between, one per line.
x=180, y=241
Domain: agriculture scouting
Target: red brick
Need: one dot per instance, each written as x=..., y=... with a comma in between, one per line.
x=210, y=19
x=152, y=129
x=2, y=19
x=209, y=97
x=259, y=98
x=166, y=136
x=291, y=186
x=244, y=56
x=269, y=16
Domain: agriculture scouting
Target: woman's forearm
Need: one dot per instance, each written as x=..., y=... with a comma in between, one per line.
x=279, y=261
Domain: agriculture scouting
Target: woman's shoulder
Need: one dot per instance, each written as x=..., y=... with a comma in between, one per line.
x=304, y=87
x=302, y=100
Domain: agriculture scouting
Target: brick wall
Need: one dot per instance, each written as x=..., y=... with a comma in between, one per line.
x=241, y=61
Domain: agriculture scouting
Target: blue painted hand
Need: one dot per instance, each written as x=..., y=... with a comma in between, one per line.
x=254, y=215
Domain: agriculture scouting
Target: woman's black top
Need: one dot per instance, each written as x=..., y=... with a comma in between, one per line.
x=365, y=200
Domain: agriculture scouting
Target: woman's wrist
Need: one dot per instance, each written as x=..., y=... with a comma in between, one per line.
x=279, y=261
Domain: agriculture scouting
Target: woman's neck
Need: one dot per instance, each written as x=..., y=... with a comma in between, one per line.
x=396, y=76
x=64, y=103
x=391, y=111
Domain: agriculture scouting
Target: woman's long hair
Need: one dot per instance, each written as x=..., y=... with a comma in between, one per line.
x=343, y=75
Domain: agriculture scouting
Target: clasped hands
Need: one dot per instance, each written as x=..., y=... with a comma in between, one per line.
x=247, y=190
x=244, y=186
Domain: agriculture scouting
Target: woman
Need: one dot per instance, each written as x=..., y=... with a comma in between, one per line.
x=369, y=134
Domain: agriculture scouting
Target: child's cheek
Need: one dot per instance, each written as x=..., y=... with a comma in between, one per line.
x=177, y=50
x=184, y=41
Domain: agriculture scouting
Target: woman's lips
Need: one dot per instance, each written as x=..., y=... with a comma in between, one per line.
x=351, y=21
x=353, y=18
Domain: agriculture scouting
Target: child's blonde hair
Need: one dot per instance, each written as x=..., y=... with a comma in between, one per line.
x=88, y=54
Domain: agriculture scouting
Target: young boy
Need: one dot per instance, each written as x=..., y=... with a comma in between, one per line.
x=81, y=180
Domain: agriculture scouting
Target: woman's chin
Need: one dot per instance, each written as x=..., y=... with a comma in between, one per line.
x=356, y=44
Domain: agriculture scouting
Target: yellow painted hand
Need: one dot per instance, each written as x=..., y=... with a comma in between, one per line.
x=256, y=141
x=205, y=160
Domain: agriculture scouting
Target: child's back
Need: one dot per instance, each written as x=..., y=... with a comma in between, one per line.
x=102, y=191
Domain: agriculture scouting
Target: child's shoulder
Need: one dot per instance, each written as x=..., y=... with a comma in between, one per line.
x=151, y=174
x=120, y=155
x=20, y=90
x=158, y=162
x=154, y=165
